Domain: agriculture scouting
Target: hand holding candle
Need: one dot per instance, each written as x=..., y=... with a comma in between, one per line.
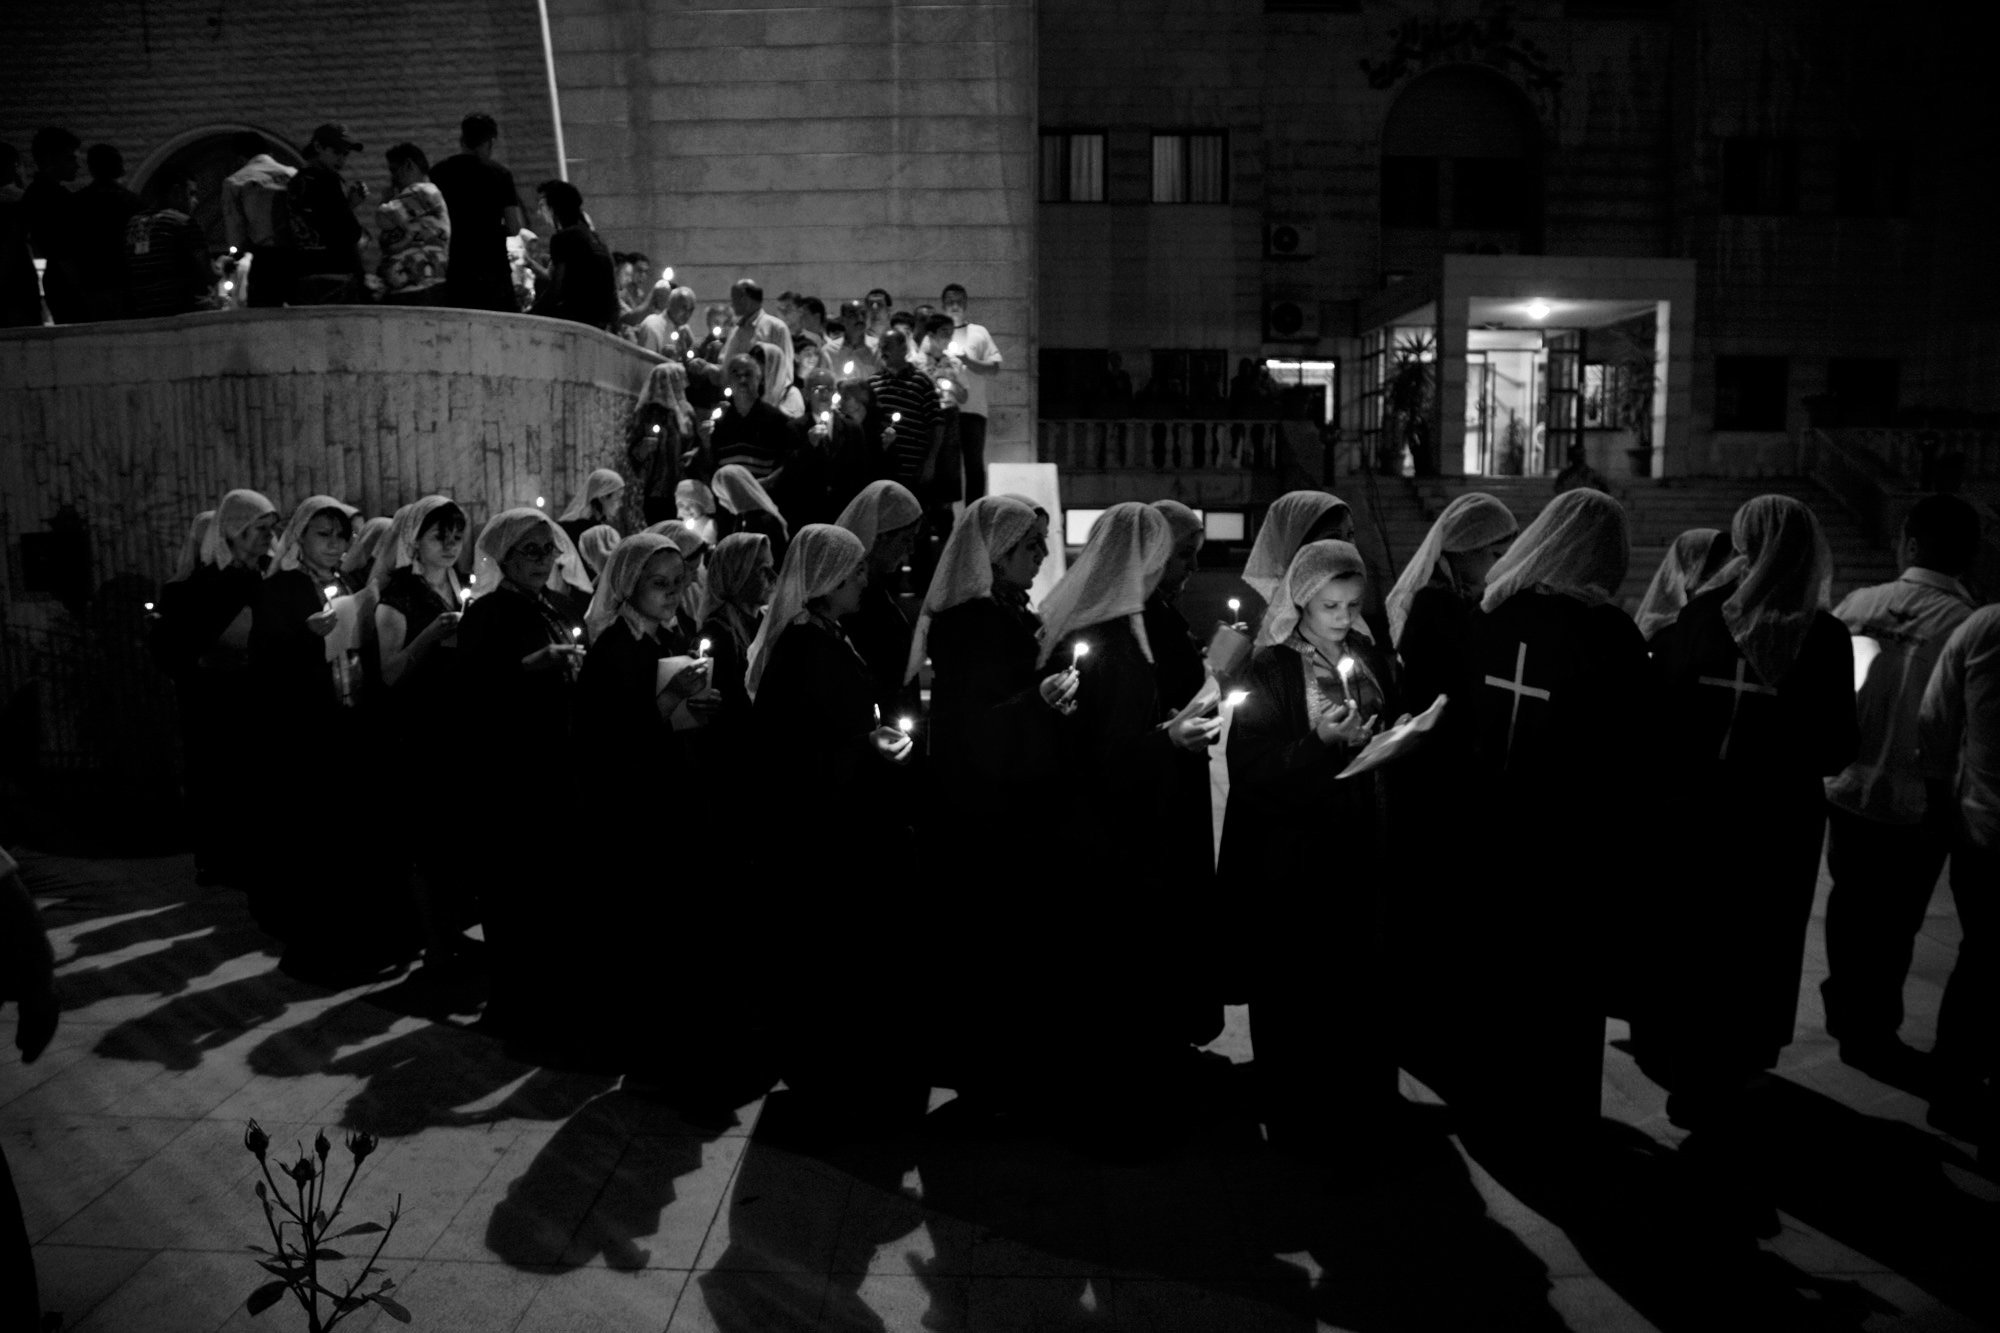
x=1235, y=610
x=701, y=651
x=1345, y=668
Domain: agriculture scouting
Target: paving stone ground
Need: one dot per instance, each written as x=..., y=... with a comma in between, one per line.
x=538, y=1200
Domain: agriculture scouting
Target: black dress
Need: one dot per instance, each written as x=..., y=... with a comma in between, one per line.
x=425, y=713
x=880, y=632
x=1567, y=754
x=521, y=743
x=1303, y=866
x=1131, y=957
x=1747, y=758
x=840, y=878
x=217, y=708
x=1180, y=672
x=1427, y=935
x=993, y=740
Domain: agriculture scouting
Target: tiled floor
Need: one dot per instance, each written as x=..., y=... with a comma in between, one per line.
x=535, y=1200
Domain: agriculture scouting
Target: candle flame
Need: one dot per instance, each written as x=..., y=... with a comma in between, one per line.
x=1078, y=653
x=332, y=590
x=1235, y=605
x=895, y=418
x=716, y=331
x=716, y=415
x=541, y=502
x=729, y=393
x=1345, y=666
x=878, y=714
x=701, y=652
x=945, y=385
x=576, y=631
x=847, y=369
x=826, y=418
x=667, y=273
x=149, y=606
x=904, y=724
x=1235, y=698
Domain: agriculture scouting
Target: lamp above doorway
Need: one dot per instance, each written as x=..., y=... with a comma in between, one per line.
x=1538, y=309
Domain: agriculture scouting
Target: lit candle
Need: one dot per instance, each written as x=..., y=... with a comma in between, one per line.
x=1345, y=666
x=576, y=633
x=945, y=385
x=1235, y=608
x=878, y=713
x=656, y=429
x=331, y=591
x=729, y=393
x=149, y=606
x=1234, y=699
x=715, y=332
x=541, y=502
x=847, y=369
x=836, y=400
x=826, y=418
x=716, y=415
x=895, y=418
x=905, y=724
x=667, y=273
x=701, y=651
x=1077, y=654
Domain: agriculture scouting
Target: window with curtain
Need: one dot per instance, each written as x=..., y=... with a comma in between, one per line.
x=1191, y=168
x=1073, y=166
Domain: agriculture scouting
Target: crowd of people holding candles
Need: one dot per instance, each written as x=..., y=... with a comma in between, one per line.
x=723, y=788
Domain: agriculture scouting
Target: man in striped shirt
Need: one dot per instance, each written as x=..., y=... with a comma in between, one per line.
x=905, y=414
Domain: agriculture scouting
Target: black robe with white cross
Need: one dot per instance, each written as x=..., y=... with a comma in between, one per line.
x=1563, y=763
x=1746, y=762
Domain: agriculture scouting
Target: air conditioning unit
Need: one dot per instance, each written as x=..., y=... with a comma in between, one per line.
x=1289, y=240
x=1291, y=321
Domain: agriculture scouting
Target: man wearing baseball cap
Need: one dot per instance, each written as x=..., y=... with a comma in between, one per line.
x=323, y=222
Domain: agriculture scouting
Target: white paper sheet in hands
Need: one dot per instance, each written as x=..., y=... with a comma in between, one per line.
x=668, y=668
x=1395, y=741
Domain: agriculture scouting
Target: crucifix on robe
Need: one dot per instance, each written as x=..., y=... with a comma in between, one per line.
x=1520, y=689
x=1740, y=686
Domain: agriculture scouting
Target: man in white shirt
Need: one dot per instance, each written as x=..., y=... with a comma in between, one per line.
x=754, y=324
x=974, y=347
x=1960, y=742
x=251, y=217
x=1883, y=856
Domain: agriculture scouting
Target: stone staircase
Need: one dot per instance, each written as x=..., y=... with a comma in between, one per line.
x=1660, y=511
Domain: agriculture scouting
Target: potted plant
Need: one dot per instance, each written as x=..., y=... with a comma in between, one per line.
x=1408, y=401
x=1632, y=408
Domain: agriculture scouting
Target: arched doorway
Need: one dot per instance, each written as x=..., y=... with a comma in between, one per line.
x=1461, y=170
x=205, y=155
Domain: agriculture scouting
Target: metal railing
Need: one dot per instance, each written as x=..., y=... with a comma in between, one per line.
x=1170, y=445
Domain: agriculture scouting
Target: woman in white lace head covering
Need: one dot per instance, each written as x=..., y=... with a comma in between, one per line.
x=661, y=429
x=245, y=526
x=992, y=529
x=1293, y=519
x=1693, y=559
x=745, y=506
x=596, y=545
x=834, y=561
x=598, y=502
x=694, y=503
x=1758, y=679
x=646, y=555
x=503, y=532
x=358, y=568
x=1783, y=574
x=695, y=549
x=1111, y=578
x=884, y=516
x=1461, y=548
x=1577, y=546
x=881, y=508
x=336, y=532
x=197, y=537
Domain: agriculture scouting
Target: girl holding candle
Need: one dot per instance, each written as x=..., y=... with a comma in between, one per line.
x=1294, y=519
x=884, y=516
x=660, y=432
x=1311, y=964
x=298, y=684
x=747, y=507
x=694, y=505
x=599, y=501
x=416, y=629
x=520, y=659
x=204, y=639
x=696, y=552
x=735, y=588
